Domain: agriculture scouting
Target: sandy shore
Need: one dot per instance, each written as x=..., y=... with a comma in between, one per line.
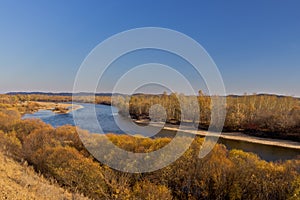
x=234, y=136
x=58, y=107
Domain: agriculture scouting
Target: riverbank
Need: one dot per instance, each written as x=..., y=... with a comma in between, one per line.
x=238, y=136
x=60, y=108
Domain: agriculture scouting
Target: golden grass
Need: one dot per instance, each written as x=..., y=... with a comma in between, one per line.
x=22, y=182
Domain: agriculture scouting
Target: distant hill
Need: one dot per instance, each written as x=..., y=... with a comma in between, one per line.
x=119, y=94
x=64, y=93
x=262, y=94
x=76, y=94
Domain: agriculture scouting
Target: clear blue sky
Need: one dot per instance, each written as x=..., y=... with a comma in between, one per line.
x=255, y=44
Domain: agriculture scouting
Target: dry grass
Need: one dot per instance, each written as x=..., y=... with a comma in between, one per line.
x=22, y=182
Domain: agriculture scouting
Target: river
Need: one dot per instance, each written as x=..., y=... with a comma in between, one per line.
x=106, y=116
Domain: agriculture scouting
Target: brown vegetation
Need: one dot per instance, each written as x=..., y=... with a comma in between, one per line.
x=59, y=155
x=259, y=115
x=21, y=182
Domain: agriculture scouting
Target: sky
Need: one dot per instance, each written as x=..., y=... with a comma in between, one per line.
x=255, y=44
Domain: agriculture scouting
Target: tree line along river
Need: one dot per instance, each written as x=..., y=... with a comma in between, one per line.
x=109, y=119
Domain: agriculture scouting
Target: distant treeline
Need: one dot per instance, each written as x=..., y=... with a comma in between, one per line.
x=58, y=153
x=31, y=98
x=261, y=115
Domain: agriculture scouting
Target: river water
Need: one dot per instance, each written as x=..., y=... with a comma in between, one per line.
x=109, y=119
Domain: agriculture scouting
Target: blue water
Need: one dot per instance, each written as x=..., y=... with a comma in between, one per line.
x=105, y=116
x=110, y=121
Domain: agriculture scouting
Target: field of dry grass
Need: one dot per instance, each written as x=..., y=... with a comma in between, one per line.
x=22, y=182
